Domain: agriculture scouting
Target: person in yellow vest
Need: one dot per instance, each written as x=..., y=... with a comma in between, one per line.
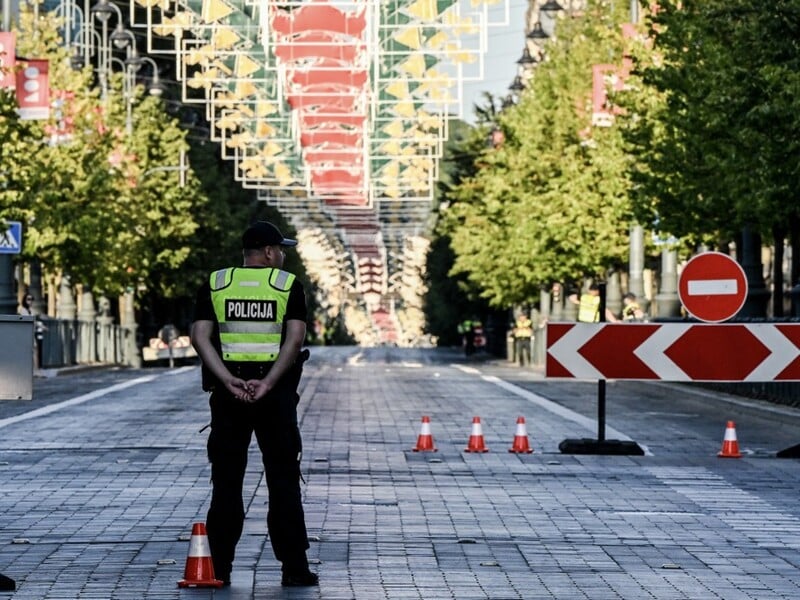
x=589, y=306
x=249, y=328
x=523, y=332
x=631, y=311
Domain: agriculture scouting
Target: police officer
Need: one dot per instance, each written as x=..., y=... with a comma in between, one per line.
x=250, y=324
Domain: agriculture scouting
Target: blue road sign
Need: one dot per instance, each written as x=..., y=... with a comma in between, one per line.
x=11, y=238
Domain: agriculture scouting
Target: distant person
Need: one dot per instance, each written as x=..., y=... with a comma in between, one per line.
x=478, y=336
x=631, y=311
x=523, y=333
x=26, y=306
x=589, y=306
x=250, y=324
x=467, y=330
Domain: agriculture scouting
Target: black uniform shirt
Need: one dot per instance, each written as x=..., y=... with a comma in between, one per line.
x=204, y=311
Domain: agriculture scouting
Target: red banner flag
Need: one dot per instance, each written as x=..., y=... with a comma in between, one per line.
x=33, y=90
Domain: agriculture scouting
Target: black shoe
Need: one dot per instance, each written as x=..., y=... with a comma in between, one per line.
x=303, y=579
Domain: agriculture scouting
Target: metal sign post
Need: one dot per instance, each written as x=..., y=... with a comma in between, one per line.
x=601, y=445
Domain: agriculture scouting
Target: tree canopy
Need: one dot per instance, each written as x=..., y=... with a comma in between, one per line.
x=550, y=203
x=84, y=186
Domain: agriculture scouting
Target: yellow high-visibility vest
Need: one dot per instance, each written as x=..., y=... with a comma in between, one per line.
x=589, y=309
x=250, y=305
x=523, y=328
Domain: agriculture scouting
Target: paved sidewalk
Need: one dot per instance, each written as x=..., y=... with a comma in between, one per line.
x=97, y=499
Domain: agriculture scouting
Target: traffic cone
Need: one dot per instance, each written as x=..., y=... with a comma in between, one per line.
x=730, y=445
x=425, y=439
x=199, y=570
x=520, y=445
x=475, y=443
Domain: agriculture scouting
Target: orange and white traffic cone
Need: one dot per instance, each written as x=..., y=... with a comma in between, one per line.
x=425, y=439
x=199, y=571
x=475, y=443
x=520, y=445
x=730, y=445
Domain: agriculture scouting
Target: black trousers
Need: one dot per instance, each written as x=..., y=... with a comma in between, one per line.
x=523, y=350
x=274, y=422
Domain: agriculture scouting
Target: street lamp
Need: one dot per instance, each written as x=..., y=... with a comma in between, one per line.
x=155, y=88
x=537, y=34
x=551, y=7
x=103, y=11
x=517, y=85
x=526, y=59
x=121, y=37
x=127, y=93
x=77, y=60
x=549, y=10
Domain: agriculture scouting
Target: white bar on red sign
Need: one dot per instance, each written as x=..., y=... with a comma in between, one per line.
x=716, y=287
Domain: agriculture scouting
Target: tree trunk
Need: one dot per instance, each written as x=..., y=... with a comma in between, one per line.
x=794, y=240
x=778, y=236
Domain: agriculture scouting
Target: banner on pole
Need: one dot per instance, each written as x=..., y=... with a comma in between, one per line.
x=33, y=90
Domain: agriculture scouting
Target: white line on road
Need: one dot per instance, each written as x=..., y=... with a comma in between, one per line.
x=51, y=408
x=180, y=370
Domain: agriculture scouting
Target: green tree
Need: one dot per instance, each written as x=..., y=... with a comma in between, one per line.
x=551, y=203
x=451, y=298
x=86, y=187
x=714, y=122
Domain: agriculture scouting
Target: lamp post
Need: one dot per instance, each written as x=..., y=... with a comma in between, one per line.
x=549, y=10
x=537, y=34
x=103, y=11
x=526, y=59
x=127, y=93
x=124, y=39
x=74, y=14
x=155, y=87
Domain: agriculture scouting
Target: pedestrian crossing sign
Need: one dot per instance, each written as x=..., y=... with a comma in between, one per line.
x=11, y=238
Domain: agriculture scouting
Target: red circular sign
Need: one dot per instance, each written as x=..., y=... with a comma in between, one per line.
x=712, y=287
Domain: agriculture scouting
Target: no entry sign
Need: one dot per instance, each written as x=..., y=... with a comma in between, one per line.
x=712, y=287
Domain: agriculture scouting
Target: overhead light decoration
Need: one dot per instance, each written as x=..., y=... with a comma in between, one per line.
x=336, y=111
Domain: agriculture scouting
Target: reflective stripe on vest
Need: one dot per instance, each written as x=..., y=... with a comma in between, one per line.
x=250, y=306
x=589, y=309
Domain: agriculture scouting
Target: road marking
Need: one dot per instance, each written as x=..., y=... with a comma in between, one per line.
x=713, y=287
x=51, y=408
x=180, y=370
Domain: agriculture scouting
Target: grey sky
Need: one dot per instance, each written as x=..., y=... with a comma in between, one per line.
x=505, y=45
